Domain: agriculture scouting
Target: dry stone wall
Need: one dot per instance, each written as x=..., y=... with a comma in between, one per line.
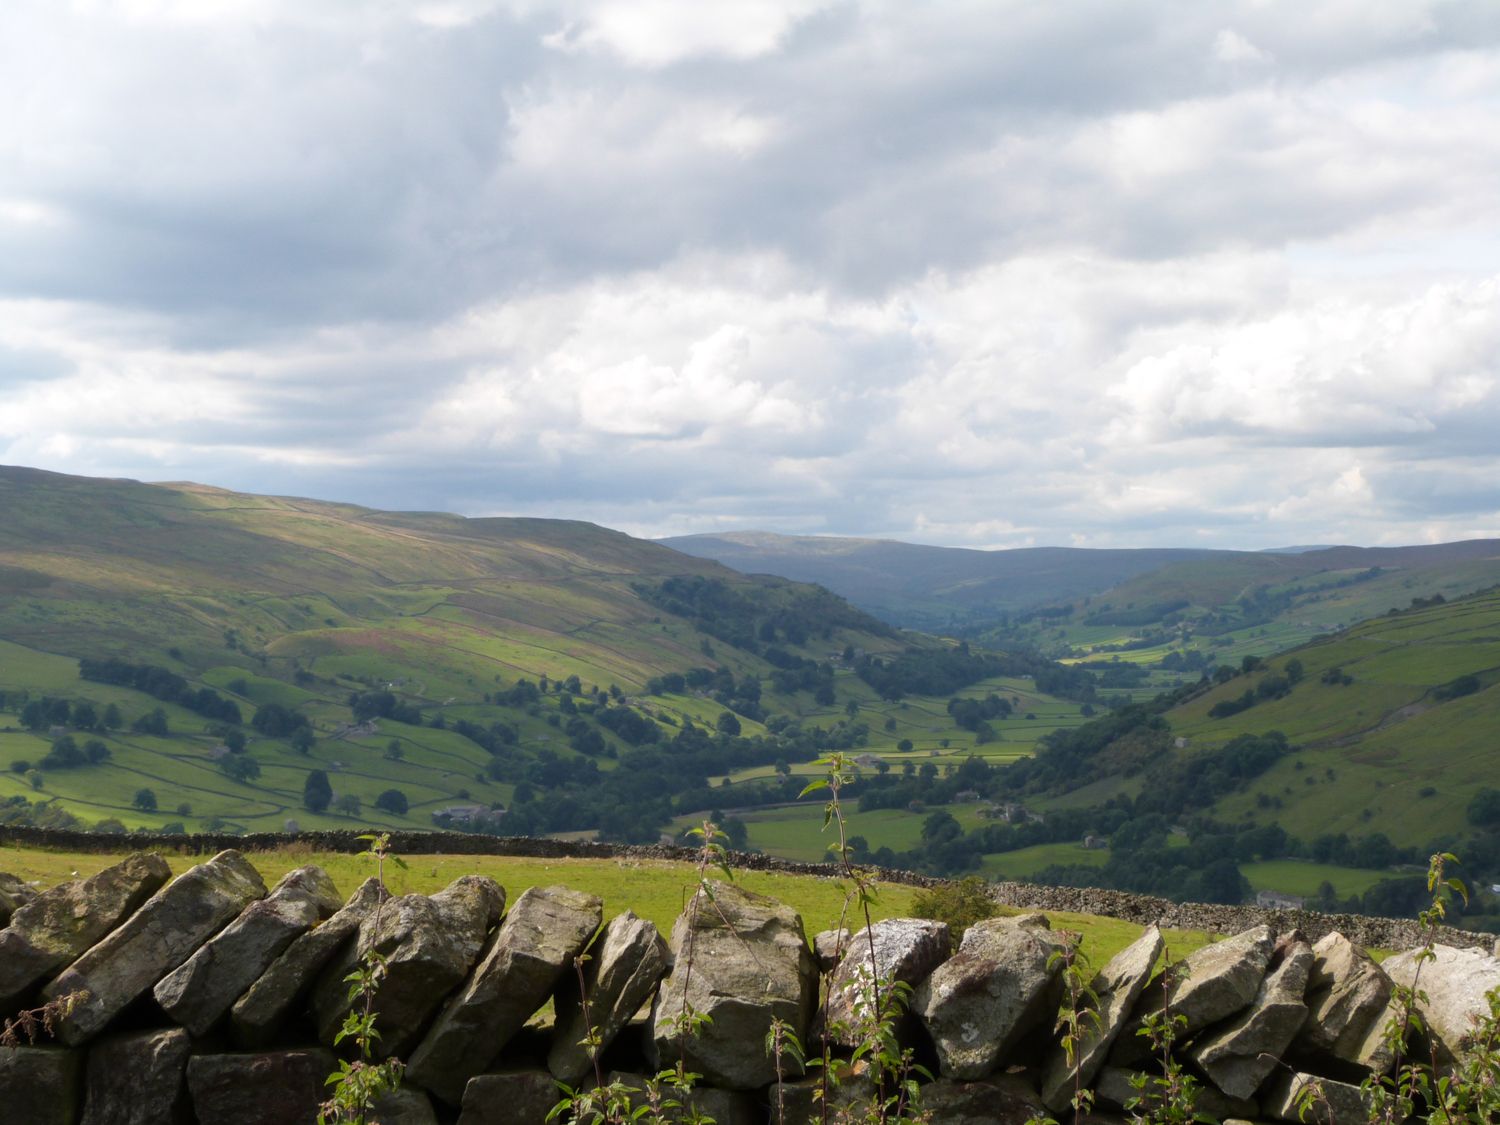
x=212, y=999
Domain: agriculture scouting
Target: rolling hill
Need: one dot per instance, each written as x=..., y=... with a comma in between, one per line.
x=573, y=676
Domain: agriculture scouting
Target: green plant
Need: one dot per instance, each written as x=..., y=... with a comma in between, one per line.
x=878, y=1004
x=960, y=904
x=1168, y=1098
x=361, y=1082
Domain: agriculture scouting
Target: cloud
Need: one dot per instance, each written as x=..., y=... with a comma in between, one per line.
x=965, y=272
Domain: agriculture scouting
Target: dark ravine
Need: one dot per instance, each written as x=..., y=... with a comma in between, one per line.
x=153, y=1031
x=1371, y=932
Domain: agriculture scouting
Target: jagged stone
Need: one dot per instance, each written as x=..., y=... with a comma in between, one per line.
x=750, y=965
x=544, y=931
x=261, y=1011
x=285, y=1087
x=429, y=942
x=51, y=930
x=1001, y=1100
x=153, y=941
x=1116, y=987
x=198, y=992
x=14, y=894
x=625, y=965
x=1455, y=982
x=138, y=1079
x=40, y=1085
x=1240, y=1055
x=1347, y=999
x=829, y=948
x=799, y=1101
x=521, y=1097
x=1337, y=1103
x=405, y=1106
x=906, y=950
x=994, y=991
x=1211, y=984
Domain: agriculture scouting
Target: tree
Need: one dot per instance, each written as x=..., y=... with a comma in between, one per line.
x=392, y=801
x=317, y=793
x=95, y=751
x=302, y=740
x=393, y=751
x=145, y=800
x=727, y=724
x=112, y=720
x=153, y=722
x=84, y=715
x=348, y=804
x=241, y=767
x=904, y=746
x=235, y=741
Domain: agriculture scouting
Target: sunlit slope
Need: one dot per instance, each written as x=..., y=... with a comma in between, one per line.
x=90, y=566
x=1395, y=736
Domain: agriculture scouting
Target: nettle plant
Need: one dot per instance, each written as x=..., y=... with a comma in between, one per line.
x=360, y=1083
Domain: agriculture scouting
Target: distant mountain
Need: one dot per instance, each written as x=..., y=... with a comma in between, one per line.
x=933, y=587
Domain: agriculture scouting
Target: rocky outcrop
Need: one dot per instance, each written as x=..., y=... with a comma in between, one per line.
x=1453, y=983
x=904, y=949
x=157, y=938
x=429, y=944
x=156, y=1092
x=199, y=991
x=995, y=990
x=625, y=965
x=1347, y=998
x=742, y=960
x=1240, y=1055
x=1328, y=1101
x=272, y=999
x=1212, y=984
x=14, y=894
x=521, y=1097
x=49, y=931
x=544, y=931
x=1116, y=989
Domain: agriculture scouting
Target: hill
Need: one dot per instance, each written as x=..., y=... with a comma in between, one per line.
x=928, y=587
x=183, y=654
x=1140, y=606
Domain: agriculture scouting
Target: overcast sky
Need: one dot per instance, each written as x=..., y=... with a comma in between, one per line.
x=1109, y=273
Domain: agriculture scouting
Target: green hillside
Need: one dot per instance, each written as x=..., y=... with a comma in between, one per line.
x=573, y=677
x=1392, y=733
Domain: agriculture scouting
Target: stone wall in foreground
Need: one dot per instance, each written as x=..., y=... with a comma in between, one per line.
x=1373, y=933
x=211, y=998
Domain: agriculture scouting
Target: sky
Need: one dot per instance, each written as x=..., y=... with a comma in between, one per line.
x=1216, y=273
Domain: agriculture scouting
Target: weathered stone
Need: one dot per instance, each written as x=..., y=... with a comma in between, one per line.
x=1212, y=984
x=799, y=1101
x=625, y=965
x=429, y=944
x=1117, y=987
x=405, y=1106
x=829, y=948
x=1337, y=1103
x=544, y=931
x=1347, y=998
x=153, y=941
x=138, y=1079
x=260, y=1012
x=1113, y=1087
x=51, y=930
x=1002, y=1100
x=906, y=950
x=1240, y=1055
x=40, y=1085
x=14, y=894
x=994, y=991
x=285, y=1087
x=201, y=990
x=521, y=1097
x=742, y=960
x=1455, y=982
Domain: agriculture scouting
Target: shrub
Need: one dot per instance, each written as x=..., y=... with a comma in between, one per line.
x=960, y=904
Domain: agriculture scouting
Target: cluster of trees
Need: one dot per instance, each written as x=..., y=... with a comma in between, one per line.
x=367, y=705
x=159, y=683
x=40, y=714
x=750, y=617
x=918, y=671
